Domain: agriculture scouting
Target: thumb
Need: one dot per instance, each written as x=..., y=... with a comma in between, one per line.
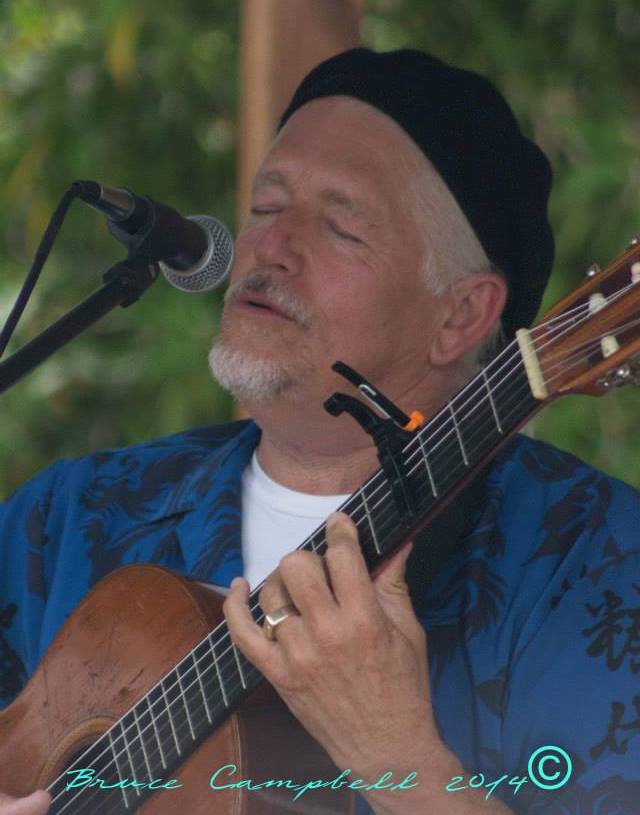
x=35, y=804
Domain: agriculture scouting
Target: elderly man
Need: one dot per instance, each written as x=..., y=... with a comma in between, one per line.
x=397, y=211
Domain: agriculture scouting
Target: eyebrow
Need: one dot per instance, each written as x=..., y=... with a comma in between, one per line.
x=339, y=198
x=266, y=178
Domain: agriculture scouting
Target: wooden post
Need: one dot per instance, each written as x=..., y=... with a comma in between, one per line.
x=281, y=40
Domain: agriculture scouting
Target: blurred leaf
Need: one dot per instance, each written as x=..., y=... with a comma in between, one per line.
x=121, y=55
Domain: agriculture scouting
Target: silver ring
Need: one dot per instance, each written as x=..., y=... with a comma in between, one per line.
x=273, y=619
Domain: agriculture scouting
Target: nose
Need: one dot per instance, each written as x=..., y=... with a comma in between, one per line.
x=281, y=240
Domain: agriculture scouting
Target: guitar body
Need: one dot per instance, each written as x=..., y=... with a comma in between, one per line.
x=127, y=633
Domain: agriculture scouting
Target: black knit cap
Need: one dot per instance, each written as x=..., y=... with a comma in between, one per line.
x=500, y=179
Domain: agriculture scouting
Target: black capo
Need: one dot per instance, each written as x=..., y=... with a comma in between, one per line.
x=390, y=433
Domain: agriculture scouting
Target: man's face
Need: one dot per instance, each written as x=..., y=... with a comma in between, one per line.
x=329, y=263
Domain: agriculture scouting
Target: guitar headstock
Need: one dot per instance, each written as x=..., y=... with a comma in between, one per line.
x=589, y=342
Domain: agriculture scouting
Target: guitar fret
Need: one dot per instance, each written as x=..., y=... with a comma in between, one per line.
x=140, y=738
x=316, y=540
x=222, y=688
x=507, y=411
x=115, y=753
x=423, y=451
x=204, y=695
x=157, y=734
x=146, y=734
x=182, y=695
x=134, y=774
x=204, y=655
x=492, y=403
x=374, y=536
x=239, y=664
x=168, y=709
x=459, y=435
x=445, y=455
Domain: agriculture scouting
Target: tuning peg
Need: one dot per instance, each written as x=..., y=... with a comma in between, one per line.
x=635, y=241
x=626, y=374
x=593, y=270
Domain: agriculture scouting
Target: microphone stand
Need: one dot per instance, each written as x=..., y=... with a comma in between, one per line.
x=124, y=283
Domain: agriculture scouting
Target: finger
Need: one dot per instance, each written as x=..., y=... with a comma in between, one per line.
x=305, y=579
x=35, y=804
x=273, y=594
x=244, y=631
x=346, y=566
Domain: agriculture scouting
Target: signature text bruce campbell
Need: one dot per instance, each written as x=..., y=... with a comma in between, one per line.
x=86, y=777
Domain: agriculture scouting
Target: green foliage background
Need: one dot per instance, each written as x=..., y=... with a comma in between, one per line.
x=144, y=95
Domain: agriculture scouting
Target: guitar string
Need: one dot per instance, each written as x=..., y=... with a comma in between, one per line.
x=493, y=375
x=214, y=655
x=567, y=359
x=587, y=313
x=555, y=319
x=548, y=369
x=168, y=714
x=90, y=795
x=165, y=730
x=589, y=346
x=228, y=649
x=223, y=654
x=578, y=354
x=592, y=343
x=486, y=397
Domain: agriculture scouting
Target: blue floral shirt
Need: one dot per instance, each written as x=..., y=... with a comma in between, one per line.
x=533, y=622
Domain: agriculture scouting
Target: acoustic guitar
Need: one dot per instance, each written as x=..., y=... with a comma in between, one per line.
x=194, y=703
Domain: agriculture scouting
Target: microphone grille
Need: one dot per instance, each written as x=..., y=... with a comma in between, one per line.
x=214, y=267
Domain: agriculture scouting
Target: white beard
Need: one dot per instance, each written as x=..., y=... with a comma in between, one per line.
x=247, y=377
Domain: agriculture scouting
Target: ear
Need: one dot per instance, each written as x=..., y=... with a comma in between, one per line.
x=472, y=306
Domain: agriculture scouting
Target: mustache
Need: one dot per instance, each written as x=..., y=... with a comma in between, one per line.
x=275, y=291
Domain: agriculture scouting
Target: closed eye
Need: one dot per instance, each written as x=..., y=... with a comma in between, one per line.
x=345, y=235
x=264, y=210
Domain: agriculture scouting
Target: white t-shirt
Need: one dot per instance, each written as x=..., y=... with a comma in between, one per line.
x=276, y=520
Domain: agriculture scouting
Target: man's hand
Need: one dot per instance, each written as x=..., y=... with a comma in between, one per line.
x=35, y=804
x=352, y=667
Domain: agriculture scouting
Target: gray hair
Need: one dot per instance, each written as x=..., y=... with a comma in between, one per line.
x=452, y=249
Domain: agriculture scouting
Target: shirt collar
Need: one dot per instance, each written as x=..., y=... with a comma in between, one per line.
x=210, y=532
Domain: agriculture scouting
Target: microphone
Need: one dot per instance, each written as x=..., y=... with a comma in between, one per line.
x=194, y=253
